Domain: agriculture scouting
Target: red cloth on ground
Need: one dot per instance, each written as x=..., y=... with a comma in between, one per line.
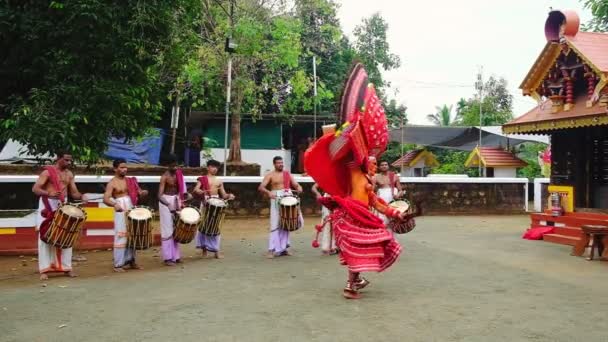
x=364, y=242
x=133, y=189
x=537, y=233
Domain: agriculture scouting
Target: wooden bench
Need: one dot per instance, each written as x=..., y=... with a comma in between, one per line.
x=598, y=236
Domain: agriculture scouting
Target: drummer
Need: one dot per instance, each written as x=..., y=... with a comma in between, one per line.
x=388, y=186
x=328, y=242
x=53, y=186
x=207, y=187
x=281, y=183
x=122, y=193
x=171, y=196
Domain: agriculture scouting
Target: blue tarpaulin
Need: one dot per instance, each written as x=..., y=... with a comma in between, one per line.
x=143, y=151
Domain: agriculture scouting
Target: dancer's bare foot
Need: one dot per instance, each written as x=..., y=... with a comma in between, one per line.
x=361, y=283
x=219, y=255
x=204, y=253
x=350, y=291
x=169, y=263
x=270, y=255
x=119, y=270
x=71, y=274
x=44, y=276
x=136, y=266
x=178, y=261
x=287, y=253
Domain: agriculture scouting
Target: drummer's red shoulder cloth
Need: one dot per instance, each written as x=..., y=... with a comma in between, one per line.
x=48, y=212
x=204, y=180
x=133, y=189
x=181, y=184
x=286, y=180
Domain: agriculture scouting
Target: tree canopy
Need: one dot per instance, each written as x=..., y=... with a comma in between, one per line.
x=81, y=71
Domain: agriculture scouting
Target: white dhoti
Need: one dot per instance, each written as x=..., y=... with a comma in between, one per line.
x=278, y=240
x=387, y=195
x=328, y=242
x=206, y=242
x=51, y=258
x=169, y=246
x=122, y=255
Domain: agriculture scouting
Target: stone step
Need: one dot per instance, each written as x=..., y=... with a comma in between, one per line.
x=561, y=239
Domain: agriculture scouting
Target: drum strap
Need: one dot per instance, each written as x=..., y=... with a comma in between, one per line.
x=133, y=189
x=286, y=180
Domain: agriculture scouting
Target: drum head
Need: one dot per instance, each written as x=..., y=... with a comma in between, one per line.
x=402, y=206
x=216, y=202
x=289, y=201
x=140, y=213
x=71, y=210
x=190, y=215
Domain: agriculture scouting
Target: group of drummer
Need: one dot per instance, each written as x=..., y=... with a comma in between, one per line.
x=59, y=223
x=179, y=222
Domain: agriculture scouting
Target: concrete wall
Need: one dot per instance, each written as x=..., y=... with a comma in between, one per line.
x=437, y=196
x=260, y=157
x=505, y=172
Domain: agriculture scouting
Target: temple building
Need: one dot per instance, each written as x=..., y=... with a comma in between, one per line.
x=568, y=79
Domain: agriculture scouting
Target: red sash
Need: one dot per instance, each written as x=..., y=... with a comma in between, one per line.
x=48, y=212
x=133, y=189
x=286, y=180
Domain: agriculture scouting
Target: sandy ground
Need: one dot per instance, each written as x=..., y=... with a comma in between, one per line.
x=459, y=279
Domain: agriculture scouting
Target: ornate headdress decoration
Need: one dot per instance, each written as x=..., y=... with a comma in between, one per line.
x=362, y=132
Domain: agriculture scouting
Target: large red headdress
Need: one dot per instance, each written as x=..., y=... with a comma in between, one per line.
x=363, y=132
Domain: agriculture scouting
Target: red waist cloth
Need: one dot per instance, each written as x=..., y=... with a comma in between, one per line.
x=365, y=244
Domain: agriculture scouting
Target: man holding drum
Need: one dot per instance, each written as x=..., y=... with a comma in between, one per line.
x=171, y=196
x=388, y=186
x=52, y=186
x=122, y=193
x=281, y=184
x=210, y=187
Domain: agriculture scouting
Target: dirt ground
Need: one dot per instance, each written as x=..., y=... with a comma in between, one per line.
x=459, y=279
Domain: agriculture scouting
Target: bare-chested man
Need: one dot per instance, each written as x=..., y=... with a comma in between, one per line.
x=171, y=196
x=122, y=193
x=388, y=185
x=281, y=183
x=210, y=186
x=53, y=186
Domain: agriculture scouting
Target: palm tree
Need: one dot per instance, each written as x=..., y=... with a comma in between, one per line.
x=443, y=116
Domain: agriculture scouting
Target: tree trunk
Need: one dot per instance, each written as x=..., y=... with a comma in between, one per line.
x=234, y=155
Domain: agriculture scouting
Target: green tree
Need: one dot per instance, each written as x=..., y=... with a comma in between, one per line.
x=396, y=114
x=75, y=73
x=322, y=37
x=266, y=74
x=599, y=10
x=497, y=105
x=373, y=49
x=443, y=116
x=452, y=162
x=529, y=152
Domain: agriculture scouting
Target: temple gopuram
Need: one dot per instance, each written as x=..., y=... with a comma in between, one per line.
x=569, y=81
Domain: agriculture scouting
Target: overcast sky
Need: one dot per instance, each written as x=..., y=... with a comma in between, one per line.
x=442, y=43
